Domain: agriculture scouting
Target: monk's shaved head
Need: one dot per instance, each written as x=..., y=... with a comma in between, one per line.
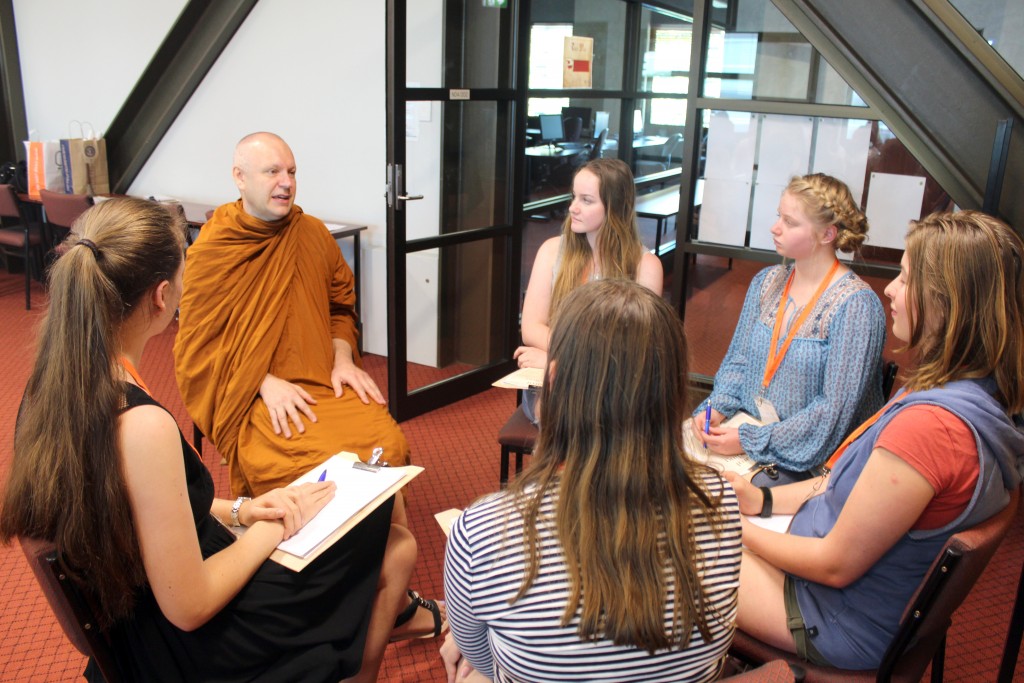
x=264, y=171
x=246, y=146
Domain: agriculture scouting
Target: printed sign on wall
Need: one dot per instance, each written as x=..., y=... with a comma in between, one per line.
x=579, y=58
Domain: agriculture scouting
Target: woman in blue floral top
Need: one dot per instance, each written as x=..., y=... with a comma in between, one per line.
x=806, y=354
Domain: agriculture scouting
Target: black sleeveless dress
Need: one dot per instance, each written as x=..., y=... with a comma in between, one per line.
x=282, y=626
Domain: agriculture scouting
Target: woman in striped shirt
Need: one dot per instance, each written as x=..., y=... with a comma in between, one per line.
x=614, y=556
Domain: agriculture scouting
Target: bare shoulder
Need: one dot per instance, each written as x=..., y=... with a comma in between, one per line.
x=143, y=426
x=650, y=274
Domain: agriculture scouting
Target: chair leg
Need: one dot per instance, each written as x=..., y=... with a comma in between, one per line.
x=1013, y=637
x=503, y=473
x=28, y=274
x=939, y=661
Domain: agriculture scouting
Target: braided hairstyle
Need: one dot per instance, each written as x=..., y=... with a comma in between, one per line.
x=828, y=201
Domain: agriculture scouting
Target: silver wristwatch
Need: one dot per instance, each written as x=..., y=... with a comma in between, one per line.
x=235, y=508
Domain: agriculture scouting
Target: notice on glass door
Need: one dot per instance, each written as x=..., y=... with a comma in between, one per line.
x=577, y=69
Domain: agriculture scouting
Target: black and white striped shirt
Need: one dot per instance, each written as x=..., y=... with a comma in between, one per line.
x=523, y=641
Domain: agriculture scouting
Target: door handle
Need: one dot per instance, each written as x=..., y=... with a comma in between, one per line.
x=409, y=197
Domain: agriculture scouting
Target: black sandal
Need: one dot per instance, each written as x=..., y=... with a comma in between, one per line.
x=440, y=625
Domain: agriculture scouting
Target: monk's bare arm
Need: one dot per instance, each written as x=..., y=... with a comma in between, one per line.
x=345, y=371
x=286, y=401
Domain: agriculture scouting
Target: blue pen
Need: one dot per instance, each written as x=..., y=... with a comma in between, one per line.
x=707, y=422
x=323, y=476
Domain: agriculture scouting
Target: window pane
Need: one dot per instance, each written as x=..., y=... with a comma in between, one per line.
x=456, y=309
x=754, y=52
x=573, y=131
x=999, y=22
x=441, y=53
x=447, y=135
x=552, y=22
x=665, y=58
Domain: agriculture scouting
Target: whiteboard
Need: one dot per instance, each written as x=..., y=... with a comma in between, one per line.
x=785, y=149
x=764, y=214
x=841, y=150
x=723, y=212
x=731, y=138
x=893, y=201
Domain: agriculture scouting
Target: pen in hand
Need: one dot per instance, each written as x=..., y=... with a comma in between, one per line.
x=707, y=422
x=323, y=476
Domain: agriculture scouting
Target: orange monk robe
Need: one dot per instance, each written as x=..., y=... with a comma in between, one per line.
x=269, y=297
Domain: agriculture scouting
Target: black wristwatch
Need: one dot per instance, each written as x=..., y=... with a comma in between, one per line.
x=766, y=506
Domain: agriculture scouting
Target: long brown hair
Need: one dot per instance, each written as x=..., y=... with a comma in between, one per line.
x=965, y=294
x=611, y=446
x=66, y=483
x=618, y=240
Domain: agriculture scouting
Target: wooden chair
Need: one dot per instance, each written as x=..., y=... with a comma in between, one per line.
x=921, y=637
x=61, y=212
x=517, y=436
x=889, y=372
x=25, y=237
x=71, y=607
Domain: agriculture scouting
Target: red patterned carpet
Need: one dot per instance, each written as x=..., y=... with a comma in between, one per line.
x=457, y=447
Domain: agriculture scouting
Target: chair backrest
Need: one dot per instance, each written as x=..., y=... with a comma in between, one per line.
x=889, y=372
x=571, y=128
x=595, y=151
x=70, y=606
x=946, y=585
x=9, y=207
x=63, y=209
x=672, y=148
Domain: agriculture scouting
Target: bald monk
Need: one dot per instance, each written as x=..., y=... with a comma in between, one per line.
x=266, y=354
x=266, y=351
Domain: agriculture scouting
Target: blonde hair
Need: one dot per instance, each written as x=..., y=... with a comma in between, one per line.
x=612, y=448
x=828, y=201
x=965, y=295
x=66, y=483
x=618, y=240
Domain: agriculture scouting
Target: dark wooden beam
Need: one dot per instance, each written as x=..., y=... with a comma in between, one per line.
x=12, y=97
x=192, y=46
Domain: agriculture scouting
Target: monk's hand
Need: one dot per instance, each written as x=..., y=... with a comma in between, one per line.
x=286, y=401
x=292, y=506
x=346, y=372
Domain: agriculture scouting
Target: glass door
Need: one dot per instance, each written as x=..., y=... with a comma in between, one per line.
x=453, y=247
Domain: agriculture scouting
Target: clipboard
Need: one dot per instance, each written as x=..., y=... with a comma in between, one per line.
x=340, y=470
x=740, y=464
x=446, y=519
x=523, y=378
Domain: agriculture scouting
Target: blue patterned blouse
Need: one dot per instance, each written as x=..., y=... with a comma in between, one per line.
x=829, y=382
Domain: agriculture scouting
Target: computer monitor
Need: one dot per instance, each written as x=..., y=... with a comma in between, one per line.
x=585, y=115
x=600, y=122
x=551, y=128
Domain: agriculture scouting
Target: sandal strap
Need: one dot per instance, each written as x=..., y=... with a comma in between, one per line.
x=410, y=610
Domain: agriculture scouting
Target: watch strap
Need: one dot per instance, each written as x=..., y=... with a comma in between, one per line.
x=766, y=506
x=235, y=508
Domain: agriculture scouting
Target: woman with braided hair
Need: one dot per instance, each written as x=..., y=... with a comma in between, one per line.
x=806, y=354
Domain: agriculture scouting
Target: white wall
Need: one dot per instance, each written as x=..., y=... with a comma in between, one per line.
x=311, y=71
x=80, y=58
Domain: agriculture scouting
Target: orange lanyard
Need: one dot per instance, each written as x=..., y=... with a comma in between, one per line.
x=775, y=356
x=127, y=365
x=860, y=430
x=130, y=368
